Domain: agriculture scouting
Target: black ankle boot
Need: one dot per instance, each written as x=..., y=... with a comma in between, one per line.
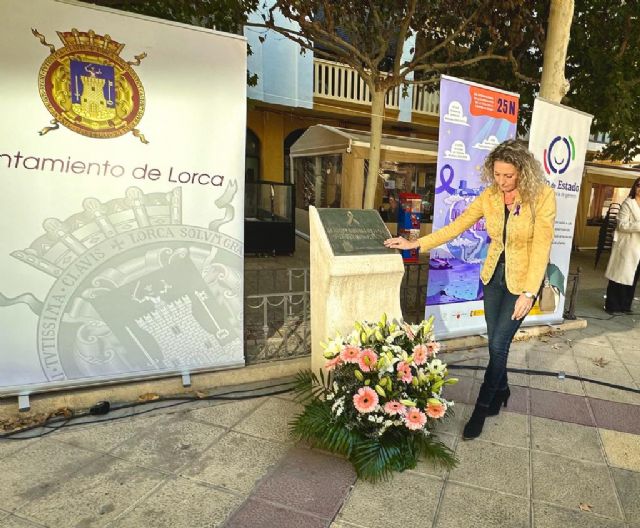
x=474, y=426
x=500, y=399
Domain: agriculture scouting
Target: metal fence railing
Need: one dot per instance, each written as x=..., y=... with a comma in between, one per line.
x=277, y=322
x=413, y=291
x=571, y=299
x=276, y=326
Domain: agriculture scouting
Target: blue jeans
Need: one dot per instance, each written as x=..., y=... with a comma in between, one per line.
x=499, y=303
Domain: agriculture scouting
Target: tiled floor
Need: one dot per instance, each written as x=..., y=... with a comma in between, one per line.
x=564, y=453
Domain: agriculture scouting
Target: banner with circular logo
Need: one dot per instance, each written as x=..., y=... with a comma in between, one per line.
x=558, y=138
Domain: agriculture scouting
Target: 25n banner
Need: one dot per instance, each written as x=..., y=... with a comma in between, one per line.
x=474, y=119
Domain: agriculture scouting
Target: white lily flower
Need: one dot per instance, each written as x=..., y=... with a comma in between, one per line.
x=437, y=367
x=390, y=338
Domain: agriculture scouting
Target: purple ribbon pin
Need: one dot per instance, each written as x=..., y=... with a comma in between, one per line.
x=517, y=211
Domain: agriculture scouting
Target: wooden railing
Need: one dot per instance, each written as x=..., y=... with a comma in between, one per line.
x=337, y=81
x=333, y=80
x=425, y=102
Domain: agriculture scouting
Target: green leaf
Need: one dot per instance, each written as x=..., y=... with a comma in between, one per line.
x=308, y=386
x=316, y=425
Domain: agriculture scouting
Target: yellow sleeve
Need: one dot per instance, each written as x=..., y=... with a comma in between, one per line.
x=471, y=215
x=543, y=229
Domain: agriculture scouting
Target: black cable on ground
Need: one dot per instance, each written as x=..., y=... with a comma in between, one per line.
x=50, y=426
x=549, y=374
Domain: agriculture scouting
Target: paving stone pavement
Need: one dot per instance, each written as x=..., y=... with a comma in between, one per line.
x=564, y=453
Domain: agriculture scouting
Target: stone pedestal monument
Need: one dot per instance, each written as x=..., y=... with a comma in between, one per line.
x=353, y=276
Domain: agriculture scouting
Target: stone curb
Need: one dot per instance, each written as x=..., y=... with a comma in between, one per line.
x=524, y=334
x=84, y=398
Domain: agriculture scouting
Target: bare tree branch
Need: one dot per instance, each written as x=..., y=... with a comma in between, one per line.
x=625, y=40
x=456, y=33
x=328, y=13
x=305, y=41
x=516, y=70
x=465, y=62
x=318, y=33
x=402, y=35
x=423, y=82
x=381, y=38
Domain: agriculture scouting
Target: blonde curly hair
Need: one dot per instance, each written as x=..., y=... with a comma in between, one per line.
x=531, y=179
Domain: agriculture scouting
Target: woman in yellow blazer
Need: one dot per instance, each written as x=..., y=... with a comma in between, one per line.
x=519, y=210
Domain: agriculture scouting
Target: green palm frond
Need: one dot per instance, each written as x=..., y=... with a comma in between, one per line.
x=375, y=460
x=311, y=423
x=431, y=448
x=309, y=386
x=316, y=425
x=339, y=439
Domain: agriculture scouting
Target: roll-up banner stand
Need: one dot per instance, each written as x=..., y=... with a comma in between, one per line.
x=474, y=119
x=122, y=173
x=558, y=138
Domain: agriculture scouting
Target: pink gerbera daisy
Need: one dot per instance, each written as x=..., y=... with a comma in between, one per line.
x=420, y=354
x=331, y=364
x=367, y=360
x=436, y=410
x=394, y=407
x=415, y=419
x=404, y=372
x=433, y=347
x=365, y=400
x=350, y=354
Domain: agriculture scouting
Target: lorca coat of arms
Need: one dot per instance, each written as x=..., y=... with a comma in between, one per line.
x=89, y=88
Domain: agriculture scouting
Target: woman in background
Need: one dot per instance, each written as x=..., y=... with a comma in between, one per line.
x=624, y=264
x=519, y=209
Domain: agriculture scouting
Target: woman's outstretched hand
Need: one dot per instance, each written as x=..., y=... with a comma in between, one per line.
x=401, y=243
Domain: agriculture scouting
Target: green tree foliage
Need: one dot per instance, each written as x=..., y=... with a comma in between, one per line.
x=222, y=15
x=497, y=42
x=603, y=70
x=603, y=67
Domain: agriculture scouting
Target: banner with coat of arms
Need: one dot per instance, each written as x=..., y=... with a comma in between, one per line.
x=122, y=164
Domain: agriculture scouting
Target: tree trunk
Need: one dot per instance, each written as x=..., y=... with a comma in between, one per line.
x=377, y=118
x=554, y=86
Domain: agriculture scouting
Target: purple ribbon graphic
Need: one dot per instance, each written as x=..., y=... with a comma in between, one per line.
x=446, y=182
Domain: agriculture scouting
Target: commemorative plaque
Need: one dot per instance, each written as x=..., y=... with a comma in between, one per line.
x=355, y=232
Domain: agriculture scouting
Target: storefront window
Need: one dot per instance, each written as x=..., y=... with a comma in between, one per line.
x=318, y=181
x=288, y=142
x=602, y=196
x=418, y=178
x=252, y=157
